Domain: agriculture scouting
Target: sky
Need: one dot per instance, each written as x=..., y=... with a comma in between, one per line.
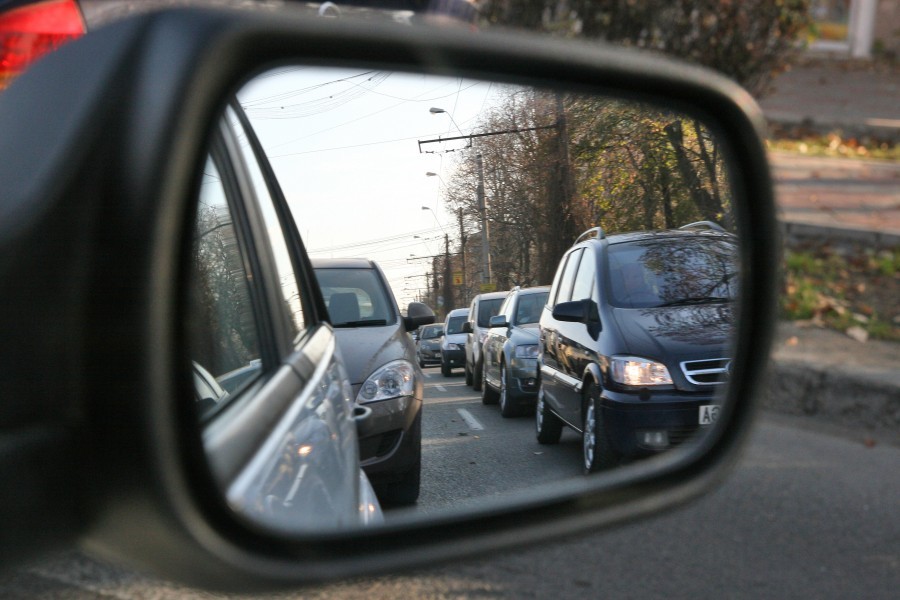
x=344, y=146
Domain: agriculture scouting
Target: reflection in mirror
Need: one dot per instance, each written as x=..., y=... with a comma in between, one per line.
x=446, y=189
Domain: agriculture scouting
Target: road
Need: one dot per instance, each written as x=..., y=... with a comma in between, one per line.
x=806, y=513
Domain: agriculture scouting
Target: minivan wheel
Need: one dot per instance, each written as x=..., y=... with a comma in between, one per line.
x=547, y=426
x=468, y=374
x=446, y=371
x=597, y=451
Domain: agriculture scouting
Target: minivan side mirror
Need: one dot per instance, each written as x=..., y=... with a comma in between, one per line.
x=498, y=321
x=417, y=314
x=576, y=311
x=467, y=327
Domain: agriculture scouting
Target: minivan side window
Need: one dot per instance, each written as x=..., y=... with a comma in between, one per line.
x=585, y=277
x=564, y=292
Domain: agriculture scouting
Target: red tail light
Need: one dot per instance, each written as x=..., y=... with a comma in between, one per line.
x=30, y=31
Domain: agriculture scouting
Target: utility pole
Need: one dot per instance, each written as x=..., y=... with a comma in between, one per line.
x=448, y=276
x=434, y=286
x=482, y=210
x=462, y=251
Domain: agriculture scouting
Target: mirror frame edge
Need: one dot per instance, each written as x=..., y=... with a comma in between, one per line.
x=227, y=47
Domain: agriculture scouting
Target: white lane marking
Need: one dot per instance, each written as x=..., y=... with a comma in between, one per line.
x=470, y=420
x=440, y=388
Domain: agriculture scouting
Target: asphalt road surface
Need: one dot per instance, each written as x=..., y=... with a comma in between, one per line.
x=806, y=513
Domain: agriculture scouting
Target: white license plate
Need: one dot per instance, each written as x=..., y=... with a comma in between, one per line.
x=708, y=414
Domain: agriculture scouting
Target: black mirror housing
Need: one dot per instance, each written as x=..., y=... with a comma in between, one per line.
x=99, y=224
x=418, y=314
x=575, y=311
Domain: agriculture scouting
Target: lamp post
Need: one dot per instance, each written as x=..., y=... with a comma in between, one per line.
x=440, y=111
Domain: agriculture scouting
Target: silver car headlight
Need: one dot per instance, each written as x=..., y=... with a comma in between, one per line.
x=633, y=370
x=396, y=378
x=453, y=347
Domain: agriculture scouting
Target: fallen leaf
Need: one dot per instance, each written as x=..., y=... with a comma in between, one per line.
x=792, y=341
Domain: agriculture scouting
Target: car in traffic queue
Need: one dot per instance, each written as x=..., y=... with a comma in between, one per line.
x=483, y=307
x=510, y=350
x=453, y=342
x=635, y=340
x=380, y=359
x=428, y=345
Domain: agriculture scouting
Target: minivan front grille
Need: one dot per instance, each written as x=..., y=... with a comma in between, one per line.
x=714, y=371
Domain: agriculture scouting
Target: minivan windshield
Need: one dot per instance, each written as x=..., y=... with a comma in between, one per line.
x=672, y=271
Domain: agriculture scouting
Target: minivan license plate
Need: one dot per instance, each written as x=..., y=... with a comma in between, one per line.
x=708, y=414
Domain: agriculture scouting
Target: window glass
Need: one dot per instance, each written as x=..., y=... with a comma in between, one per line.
x=355, y=297
x=432, y=332
x=488, y=309
x=584, y=278
x=564, y=294
x=289, y=287
x=224, y=333
x=667, y=272
x=529, y=307
x=455, y=325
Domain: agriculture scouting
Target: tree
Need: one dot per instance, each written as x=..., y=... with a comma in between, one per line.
x=750, y=41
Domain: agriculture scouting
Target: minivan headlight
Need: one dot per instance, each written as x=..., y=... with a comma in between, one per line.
x=633, y=370
x=395, y=379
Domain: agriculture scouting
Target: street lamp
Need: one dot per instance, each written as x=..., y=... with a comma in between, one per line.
x=437, y=111
x=434, y=214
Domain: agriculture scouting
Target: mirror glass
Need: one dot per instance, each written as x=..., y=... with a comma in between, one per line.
x=468, y=197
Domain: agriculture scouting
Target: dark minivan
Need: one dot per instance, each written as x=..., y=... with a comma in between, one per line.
x=635, y=340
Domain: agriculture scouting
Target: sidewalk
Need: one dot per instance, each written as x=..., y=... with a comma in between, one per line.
x=820, y=95
x=818, y=373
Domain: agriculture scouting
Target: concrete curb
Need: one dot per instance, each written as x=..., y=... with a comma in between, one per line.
x=837, y=398
x=828, y=376
x=796, y=234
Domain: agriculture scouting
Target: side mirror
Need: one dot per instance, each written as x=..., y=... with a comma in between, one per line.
x=575, y=311
x=104, y=303
x=467, y=327
x=498, y=321
x=418, y=314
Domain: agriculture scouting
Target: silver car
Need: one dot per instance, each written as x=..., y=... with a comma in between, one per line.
x=379, y=355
